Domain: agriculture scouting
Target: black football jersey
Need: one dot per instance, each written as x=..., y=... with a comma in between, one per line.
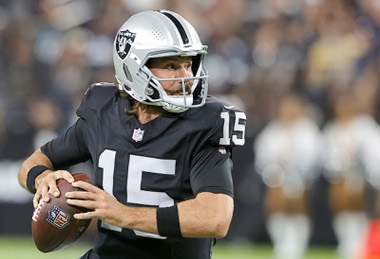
x=167, y=160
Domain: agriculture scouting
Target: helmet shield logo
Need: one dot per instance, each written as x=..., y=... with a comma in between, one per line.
x=124, y=41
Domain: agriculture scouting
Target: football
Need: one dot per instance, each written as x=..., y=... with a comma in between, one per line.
x=53, y=223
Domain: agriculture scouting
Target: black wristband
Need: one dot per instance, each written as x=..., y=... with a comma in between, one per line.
x=168, y=222
x=32, y=174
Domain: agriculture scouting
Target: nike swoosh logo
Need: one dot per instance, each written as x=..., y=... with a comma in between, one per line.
x=229, y=107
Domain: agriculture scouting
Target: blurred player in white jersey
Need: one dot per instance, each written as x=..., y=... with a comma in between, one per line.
x=351, y=161
x=287, y=158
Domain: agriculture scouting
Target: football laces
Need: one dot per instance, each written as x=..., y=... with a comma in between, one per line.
x=36, y=213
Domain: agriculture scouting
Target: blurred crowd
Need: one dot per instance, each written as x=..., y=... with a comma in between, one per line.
x=306, y=72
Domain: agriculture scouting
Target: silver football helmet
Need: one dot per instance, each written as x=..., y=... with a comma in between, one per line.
x=156, y=34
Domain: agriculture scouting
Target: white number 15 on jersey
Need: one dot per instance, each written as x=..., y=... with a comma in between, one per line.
x=228, y=137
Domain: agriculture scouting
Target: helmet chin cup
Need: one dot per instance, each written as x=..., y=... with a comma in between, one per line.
x=175, y=103
x=157, y=34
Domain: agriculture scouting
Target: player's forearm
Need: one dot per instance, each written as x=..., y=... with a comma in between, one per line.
x=37, y=158
x=208, y=215
x=142, y=219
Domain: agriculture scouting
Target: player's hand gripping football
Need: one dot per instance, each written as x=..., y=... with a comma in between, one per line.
x=46, y=184
x=100, y=204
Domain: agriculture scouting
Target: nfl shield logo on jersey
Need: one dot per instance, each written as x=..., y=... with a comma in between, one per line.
x=138, y=135
x=58, y=217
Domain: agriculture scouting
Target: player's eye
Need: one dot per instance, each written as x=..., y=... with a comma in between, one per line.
x=188, y=65
x=170, y=66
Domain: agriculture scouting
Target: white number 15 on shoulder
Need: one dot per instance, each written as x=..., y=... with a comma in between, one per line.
x=232, y=135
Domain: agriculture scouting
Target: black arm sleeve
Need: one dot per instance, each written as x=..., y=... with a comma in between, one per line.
x=212, y=172
x=68, y=149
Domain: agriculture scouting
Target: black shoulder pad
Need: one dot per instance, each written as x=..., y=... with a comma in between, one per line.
x=96, y=96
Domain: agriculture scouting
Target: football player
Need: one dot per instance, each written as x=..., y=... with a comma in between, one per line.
x=160, y=148
x=350, y=165
x=287, y=158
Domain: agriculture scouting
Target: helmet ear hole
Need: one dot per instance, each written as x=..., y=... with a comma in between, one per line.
x=152, y=91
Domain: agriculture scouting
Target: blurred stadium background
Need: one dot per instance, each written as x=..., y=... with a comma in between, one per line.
x=260, y=51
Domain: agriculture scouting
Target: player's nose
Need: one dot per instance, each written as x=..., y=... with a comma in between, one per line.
x=183, y=71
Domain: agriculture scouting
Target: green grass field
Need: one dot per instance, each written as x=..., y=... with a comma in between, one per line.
x=23, y=247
